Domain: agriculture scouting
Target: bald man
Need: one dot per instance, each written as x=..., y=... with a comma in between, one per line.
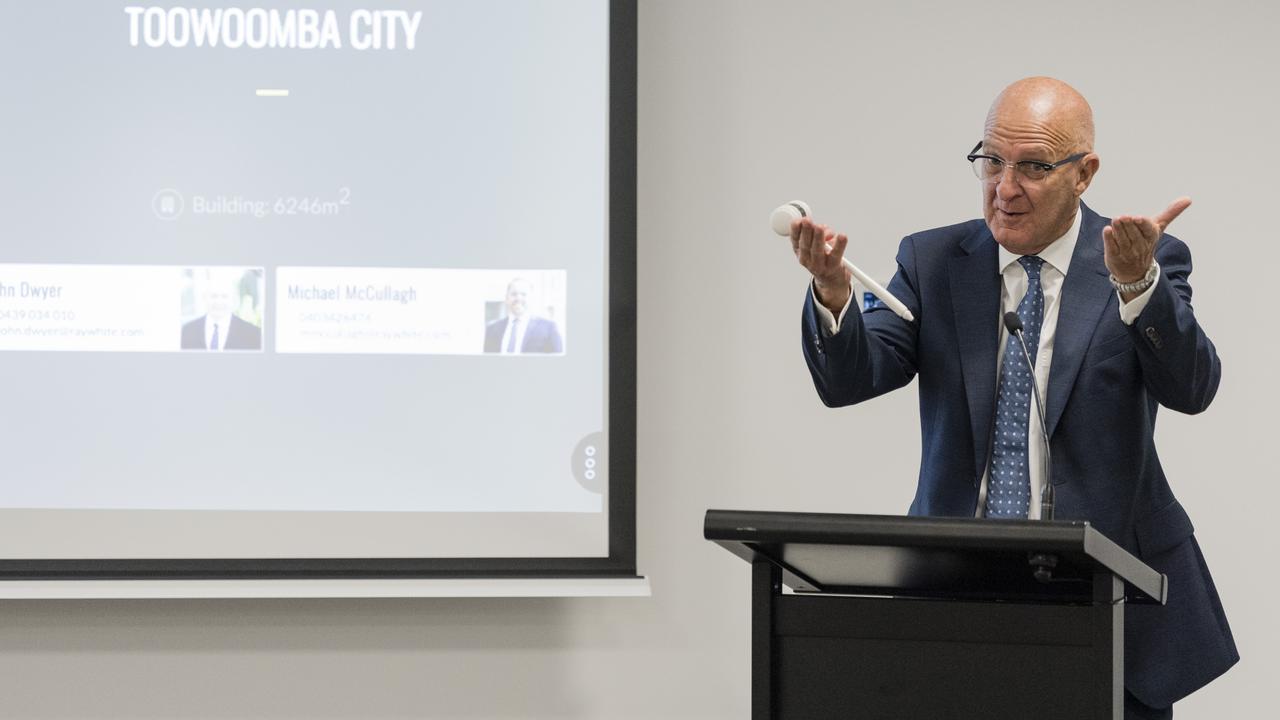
x=1106, y=310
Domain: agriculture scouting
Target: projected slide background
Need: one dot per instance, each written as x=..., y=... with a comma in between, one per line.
x=366, y=210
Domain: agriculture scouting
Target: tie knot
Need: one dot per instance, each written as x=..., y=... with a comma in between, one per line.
x=1031, y=263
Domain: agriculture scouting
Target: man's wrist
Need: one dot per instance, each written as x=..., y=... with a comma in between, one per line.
x=834, y=299
x=1135, y=288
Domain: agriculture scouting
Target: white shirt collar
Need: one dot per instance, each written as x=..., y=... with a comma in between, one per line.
x=1058, y=254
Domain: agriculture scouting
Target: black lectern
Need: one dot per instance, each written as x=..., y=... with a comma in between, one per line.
x=932, y=618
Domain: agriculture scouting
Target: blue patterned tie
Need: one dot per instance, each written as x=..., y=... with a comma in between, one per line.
x=1009, y=487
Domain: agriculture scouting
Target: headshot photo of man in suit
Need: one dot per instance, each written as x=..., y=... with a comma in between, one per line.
x=221, y=293
x=521, y=332
x=1105, y=307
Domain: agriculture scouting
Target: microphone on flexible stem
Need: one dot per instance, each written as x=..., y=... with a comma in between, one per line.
x=1013, y=324
x=1044, y=563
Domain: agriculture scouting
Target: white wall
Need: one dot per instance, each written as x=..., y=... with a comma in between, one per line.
x=866, y=111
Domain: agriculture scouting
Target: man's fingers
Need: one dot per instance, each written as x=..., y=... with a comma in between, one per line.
x=1121, y=232
x=1150, y=230
x=1173, y=211
x=1129, y=232
x=818, y=248
x=812, y=247
x=837, y=248
x=804, y=243
x=1136, y=233
x=823, y=251
x=1111, y=247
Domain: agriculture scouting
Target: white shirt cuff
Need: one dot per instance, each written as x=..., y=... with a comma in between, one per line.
x=1129, y=311
x=830, y=322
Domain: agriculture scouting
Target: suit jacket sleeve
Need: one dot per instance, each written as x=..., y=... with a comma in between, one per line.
x=553, y=343
x=1180, y=366
x=873, y=352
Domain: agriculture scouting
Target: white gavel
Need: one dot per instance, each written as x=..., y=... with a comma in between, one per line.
x=781, y=220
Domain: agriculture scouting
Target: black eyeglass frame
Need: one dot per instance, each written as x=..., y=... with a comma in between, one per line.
x=1044, y=167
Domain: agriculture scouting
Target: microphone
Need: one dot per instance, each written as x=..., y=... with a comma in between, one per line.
x=1013, y=324
x=780, y=220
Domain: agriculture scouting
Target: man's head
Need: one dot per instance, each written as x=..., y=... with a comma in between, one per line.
x=517, y=297
x=221, y=293
x=1043, y=120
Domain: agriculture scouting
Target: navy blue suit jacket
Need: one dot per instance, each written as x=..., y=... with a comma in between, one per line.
x=1106, y=380
x=541, y=336
x=241, y=335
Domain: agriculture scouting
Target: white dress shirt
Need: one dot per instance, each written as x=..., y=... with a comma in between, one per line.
x=518, y=326
x=1057, y=260
x=224, y=326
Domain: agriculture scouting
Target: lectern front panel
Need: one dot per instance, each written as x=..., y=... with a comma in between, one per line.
x=873, y=658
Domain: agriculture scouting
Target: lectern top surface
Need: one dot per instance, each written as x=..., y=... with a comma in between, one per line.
x=927, y=556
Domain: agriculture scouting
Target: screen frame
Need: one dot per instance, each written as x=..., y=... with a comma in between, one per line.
x=621, y=357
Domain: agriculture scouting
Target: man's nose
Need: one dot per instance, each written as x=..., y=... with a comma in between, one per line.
x=1007, y=187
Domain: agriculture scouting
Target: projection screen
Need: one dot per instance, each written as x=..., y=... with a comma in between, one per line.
x=324, y=289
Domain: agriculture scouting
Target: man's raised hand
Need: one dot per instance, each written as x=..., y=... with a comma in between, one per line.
x=820, y=251
x=1129, y=242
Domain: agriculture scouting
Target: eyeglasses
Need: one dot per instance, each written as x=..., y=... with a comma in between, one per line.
x=990, y=167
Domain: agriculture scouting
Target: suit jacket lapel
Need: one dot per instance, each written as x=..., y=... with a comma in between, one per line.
x=1085, y=293
x=975, y=300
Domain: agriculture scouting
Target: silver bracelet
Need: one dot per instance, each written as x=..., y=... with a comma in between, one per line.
x=1137, y=286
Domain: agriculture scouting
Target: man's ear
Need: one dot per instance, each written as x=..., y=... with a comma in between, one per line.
x=1087, y=168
